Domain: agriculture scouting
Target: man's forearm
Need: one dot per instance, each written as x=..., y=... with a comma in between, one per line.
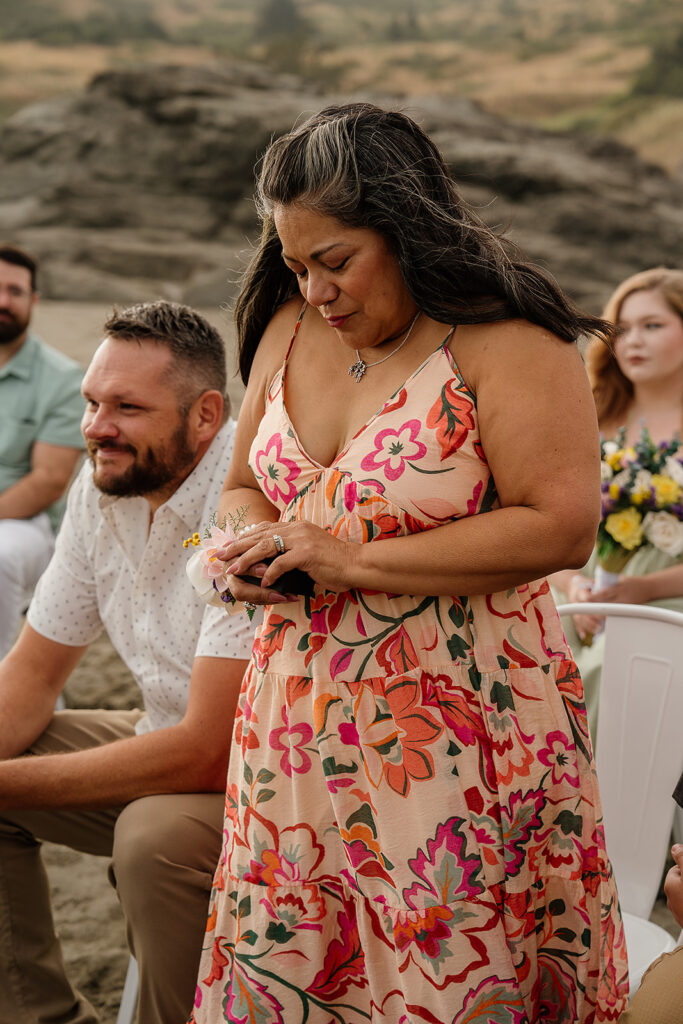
x=29, y=496
x=32, y=676
x=166, y=761
x=19, y=730
x=190, y=757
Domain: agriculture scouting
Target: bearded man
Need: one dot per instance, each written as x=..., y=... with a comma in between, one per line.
x=40, y=440
x=144, y=788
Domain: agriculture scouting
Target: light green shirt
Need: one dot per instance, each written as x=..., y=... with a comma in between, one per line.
x=40, y=400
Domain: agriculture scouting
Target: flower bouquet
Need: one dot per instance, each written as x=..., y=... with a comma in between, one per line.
x=642, y=502
x=207, y=572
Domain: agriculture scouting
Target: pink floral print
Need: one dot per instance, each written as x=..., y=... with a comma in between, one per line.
x=394, y=448
x=276, y=472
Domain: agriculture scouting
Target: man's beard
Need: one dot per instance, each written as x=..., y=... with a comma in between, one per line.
x=10, y=327
x=150, y=473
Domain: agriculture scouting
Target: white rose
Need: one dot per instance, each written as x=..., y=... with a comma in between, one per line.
x=665, y=532
x=622, y=479
x=609, y=448
x=203, y=585
x=606, y=472
x=674, y=469
x=642, y=481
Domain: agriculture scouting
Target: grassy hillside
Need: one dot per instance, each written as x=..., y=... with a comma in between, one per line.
x=606, y=65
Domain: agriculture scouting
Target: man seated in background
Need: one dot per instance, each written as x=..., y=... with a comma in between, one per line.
x=40, y=440
x=144, y=788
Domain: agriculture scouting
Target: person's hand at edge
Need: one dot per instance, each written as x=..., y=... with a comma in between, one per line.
x=673, y=885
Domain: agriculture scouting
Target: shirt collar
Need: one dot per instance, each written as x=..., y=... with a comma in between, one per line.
x=188, y=501
x=21, y=363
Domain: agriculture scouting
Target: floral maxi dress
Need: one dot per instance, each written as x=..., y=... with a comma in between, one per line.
x=413, y=829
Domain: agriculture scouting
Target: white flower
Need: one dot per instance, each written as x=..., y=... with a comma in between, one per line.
x=609, y=448
x=622, y=479
x=202, y=583
x=665, y=532
x=642, y=481
x=674, y=468
x=606, y=472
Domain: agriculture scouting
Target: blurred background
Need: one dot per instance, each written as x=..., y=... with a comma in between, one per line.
x=129, y=131
x=612, y=66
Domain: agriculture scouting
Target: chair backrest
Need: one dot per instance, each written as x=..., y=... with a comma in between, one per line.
x=639, y=741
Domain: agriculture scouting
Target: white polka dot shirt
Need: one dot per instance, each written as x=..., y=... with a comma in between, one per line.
x=111, y=569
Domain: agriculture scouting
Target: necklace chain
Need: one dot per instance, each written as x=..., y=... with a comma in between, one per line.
x=358, y=369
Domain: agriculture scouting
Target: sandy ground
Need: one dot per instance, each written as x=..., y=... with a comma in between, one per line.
x=86, y=909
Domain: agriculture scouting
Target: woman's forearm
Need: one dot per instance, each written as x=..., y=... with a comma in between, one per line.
x=479, y=555
x=666, y=583
x=243, y=506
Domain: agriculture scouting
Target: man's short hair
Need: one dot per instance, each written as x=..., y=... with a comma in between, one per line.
x=13, y=254
x=197, y=348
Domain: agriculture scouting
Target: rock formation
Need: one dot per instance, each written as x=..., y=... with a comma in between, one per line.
x=141, y=186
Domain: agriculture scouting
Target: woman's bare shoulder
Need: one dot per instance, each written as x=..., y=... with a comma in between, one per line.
x=509, y=347
x=272, y=348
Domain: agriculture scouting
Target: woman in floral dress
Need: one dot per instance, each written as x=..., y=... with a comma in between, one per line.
x=413, y=829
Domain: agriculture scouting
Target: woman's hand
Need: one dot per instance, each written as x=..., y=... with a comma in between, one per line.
x=328, y=561
x=627, y=590
x=673, y=885
x=580, y=589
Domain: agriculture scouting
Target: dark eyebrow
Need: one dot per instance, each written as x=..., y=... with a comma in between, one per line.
x=314, y=255
x=121, y=398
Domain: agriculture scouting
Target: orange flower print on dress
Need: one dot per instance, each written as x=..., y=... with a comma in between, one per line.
x=451, y=418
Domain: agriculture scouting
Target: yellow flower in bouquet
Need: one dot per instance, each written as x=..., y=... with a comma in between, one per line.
x=667, y=491
x=613, y=459
x=626, y=527
x=638, y=483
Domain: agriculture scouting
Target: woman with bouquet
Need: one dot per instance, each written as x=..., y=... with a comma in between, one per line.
x=638, y=394
x=413, y=831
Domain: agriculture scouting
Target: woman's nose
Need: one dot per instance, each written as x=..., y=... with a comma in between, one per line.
x=319, y=290
x=629, y=335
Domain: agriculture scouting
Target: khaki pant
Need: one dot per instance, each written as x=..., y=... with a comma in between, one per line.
x=659, y=1000
x=162, y=854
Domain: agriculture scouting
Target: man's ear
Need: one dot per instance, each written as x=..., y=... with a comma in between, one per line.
x=206, y=415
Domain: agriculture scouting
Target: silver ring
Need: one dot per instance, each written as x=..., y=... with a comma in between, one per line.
x=279, y=544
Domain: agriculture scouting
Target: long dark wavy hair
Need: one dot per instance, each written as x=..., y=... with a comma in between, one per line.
x=374, y=168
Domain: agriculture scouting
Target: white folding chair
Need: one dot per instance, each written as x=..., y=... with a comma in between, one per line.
x=639, y=759
x=129, y=996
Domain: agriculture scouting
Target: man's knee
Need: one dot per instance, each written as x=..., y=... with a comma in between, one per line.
x=16, y=834
x=166, y=842
x=8, y=565
x=25, y=550
x=12, y=570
